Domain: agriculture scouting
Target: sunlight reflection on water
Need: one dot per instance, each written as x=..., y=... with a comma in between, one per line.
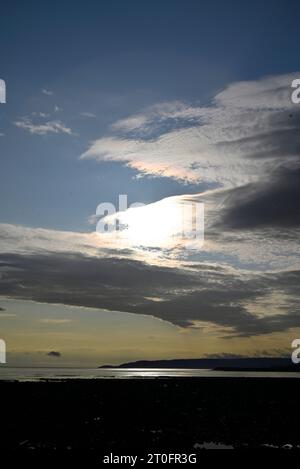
x=36, y=374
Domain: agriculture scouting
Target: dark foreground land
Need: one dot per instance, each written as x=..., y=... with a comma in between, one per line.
x=167, y=415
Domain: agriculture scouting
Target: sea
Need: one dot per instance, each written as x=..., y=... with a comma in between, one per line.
x=62, y=374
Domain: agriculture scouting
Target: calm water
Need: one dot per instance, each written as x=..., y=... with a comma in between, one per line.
x=36, y=374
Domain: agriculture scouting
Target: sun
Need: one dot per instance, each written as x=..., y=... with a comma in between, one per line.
x=153, y=225
x=162, y=224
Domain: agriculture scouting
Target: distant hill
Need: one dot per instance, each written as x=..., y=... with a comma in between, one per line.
x=249, y=364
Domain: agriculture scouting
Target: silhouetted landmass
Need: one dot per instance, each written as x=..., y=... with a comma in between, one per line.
x=221, y=364
x=132, y=416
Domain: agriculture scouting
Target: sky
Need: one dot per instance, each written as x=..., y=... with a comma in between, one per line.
x=173, y=104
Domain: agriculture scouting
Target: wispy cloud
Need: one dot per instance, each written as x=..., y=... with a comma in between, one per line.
x=43, y=128
x=55, y=321
x=176, y=113
x=40, y=114
x=88, y=115
x=47, y=92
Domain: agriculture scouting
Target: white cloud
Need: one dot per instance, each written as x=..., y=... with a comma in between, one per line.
x=268, y=93
x=47, y=92
x=40, y=114
x=43, y=128
x=214, y=144
x=186, y=154
x=24, y=240
x=158, y=114
x=88, y=115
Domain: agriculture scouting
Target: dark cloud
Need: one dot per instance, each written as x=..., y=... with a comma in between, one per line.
x=273, y=200
x=215, y=295
x=55, y=354
x=278, y=139
x=272, y=204
x=87, y=281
